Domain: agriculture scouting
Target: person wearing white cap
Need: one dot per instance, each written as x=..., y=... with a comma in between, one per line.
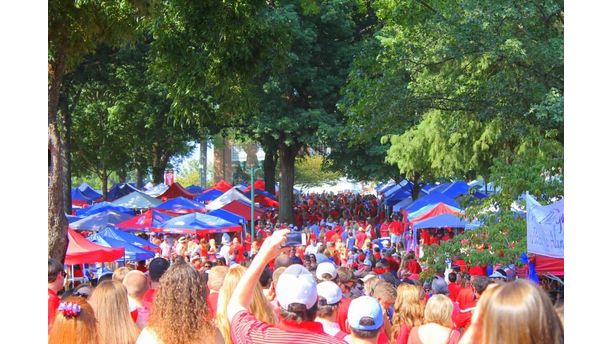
x=365, y=318
x=225, y=249
x=326, y=271
x=296, y=292
x=330, y=296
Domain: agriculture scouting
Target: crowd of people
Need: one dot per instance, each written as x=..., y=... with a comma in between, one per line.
x=350, y=280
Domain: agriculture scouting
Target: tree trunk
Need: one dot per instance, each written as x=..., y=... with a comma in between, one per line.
x=56, y=219
x=203, y=158
x=219, y=148
x=104, y=179
x=139, y=178
x=228, y=167
x=287, y=177
x=157, y=167
x=416, y=188
x=66, y=117
x=122, y=176
x=270, y=171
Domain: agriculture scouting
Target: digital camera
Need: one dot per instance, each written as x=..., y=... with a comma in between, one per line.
x=295, y=238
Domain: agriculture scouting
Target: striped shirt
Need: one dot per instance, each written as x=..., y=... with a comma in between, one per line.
x=245, y=329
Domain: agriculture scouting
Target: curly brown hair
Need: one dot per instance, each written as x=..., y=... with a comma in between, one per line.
x=179, y=313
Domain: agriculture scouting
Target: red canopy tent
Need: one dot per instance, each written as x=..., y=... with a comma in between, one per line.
x=222, y=185
x=266, y=201
x=439, y=209
x=555, y=266
x=259, y=185
x=176, y=190
x=243, y=209
x=83, y=251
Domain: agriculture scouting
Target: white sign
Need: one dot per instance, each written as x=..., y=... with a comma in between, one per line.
x=545, y=228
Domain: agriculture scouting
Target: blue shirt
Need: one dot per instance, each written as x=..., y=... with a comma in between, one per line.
x=351, y=243
x=315, y=229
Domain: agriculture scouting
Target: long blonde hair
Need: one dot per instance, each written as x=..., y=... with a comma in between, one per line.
x=260, y=307
x=79, y=329
x=409, y=308
x=179, y=313
x=519, y=312
x=109, y=301
x=439, y=310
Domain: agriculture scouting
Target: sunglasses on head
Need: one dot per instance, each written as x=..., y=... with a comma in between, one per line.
x=207, y=266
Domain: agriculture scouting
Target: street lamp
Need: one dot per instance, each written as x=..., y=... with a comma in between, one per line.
x=253, y=169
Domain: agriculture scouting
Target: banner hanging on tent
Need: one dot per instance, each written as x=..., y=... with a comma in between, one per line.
x=545, y=228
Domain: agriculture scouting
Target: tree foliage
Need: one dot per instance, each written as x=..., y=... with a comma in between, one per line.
x=309, y=171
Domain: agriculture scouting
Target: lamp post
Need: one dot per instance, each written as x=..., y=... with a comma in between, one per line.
x=252, y=203
x=253, y=169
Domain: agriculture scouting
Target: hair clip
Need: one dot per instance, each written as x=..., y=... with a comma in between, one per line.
x=69, y=309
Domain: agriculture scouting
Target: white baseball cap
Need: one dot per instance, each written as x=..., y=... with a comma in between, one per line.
x=296, y=285
x=365, y=307
x=330, y=291
x=326, y=268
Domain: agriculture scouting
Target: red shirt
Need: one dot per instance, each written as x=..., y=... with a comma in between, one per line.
x=360, y=237
x=453, y=290
x=245, y=329
x=343, y=313
x=53, y=303
x=147, y=298
x=414, y=267
x=476, y=271
x=211, y=300
x=384, y=230
x=395, y=228
x=404, y=332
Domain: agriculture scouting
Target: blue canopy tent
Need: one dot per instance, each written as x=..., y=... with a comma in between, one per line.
x=439, y=188
x=397, y=197
x=479, y=195
x=403, y=185
x=99, y=221
x=433, y=198
x=137, y=200
x=78, y=195
x=181, y=205
x=196, y=189
x=131, y=252
x=456, y=189
x=387, y=186
x=208, y=195
x=381, y=185
x=102, y=207
x=198, y=223
x=242, y=186
x=406, y=202
x=228, y=216
x=88, y=191
x=441, y=221
x=128, y=238
x=72, y=218
x=260, y=192
x=121, y=189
